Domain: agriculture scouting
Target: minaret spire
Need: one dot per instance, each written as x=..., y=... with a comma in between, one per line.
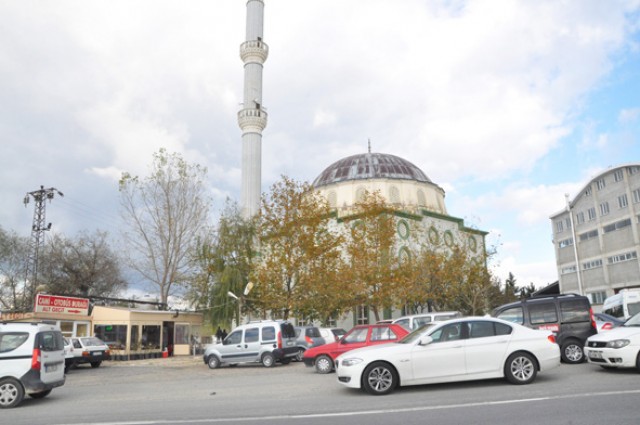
x=252, y=118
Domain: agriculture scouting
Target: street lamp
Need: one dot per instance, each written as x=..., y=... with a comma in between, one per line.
x=239, y=300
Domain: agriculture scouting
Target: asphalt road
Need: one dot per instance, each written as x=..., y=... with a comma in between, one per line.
x=185, y=391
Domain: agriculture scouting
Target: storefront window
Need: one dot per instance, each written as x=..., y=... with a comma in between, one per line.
x=135, y=337
x=66, y=328
x=181, y=334
x=150, y=337
x=82, y=329
x=115, y=336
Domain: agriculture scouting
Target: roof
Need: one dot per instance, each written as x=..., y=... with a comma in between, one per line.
x=370, y=166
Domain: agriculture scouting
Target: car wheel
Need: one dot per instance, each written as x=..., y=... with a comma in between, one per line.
x=11, y=393
x=638, y=362
x=300, y=354
x=520, y=369
x=571, y=352
x=213, y=362
x=268, y=360
x=324, y=364
x=95, y=364
x=379, y=378
x=41, y=394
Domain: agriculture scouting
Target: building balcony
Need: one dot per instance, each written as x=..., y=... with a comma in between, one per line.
x=254, y=51
x=252, y=120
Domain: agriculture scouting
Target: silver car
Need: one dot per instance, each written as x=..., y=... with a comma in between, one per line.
x=266, y=342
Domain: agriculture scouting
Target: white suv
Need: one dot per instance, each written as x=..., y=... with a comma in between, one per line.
x=265, y=341
x=31, y=361
x=414, y=321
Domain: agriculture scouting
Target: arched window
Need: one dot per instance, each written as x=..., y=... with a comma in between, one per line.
x=422, y=199
x=394, y=195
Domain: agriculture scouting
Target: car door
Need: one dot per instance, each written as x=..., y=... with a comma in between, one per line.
x=355, y=338
x=232, y=350
x=444, y=358
x=486, y=346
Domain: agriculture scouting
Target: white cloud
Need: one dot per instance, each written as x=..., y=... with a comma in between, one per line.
x=629, y=115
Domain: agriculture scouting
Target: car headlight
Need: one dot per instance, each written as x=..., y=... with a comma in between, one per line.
x=351, y=361
x=618, y=343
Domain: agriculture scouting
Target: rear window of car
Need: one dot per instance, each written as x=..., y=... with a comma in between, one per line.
x=11, y=340
x=50, y=341
x=542, y=313
x=313, y=333
x=91, y=341
x=575, y=311
x=287, y=330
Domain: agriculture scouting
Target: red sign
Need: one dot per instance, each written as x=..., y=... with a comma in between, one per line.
x=55, y=304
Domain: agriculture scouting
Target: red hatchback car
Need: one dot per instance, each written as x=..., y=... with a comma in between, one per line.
x=322, y=357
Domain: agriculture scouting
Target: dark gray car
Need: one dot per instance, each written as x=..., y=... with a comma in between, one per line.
x=307, y=337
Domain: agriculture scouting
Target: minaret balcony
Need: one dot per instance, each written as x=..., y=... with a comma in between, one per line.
x=252, y=120
x=254, y=51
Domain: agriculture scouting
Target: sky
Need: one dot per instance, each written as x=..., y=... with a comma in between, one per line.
x=507, y=105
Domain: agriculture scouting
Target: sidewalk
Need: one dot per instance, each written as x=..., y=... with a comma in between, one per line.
x=174, y=362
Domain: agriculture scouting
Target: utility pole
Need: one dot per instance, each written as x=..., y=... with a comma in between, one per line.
x=36, y=243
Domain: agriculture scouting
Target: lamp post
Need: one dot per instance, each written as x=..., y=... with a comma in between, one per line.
x=239, y=300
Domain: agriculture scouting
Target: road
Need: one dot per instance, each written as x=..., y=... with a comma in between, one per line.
x=185, y=391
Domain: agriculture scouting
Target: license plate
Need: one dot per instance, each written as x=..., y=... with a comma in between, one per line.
x=595, y=354
x=96, y=353
x=51, y=367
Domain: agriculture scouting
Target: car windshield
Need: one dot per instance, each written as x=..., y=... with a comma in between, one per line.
x=634, y=321
x=415, y=335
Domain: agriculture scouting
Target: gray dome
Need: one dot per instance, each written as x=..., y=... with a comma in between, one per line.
x=370, y=166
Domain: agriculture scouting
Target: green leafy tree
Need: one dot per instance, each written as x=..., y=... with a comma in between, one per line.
x=223, y=260
x=166, y=212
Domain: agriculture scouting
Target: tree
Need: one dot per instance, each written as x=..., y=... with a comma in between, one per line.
x=165, y=213
x=373, y=270
x=511, y=290
x=14, y=251
x=84, y=266
x=223, y=260
x=300, y=253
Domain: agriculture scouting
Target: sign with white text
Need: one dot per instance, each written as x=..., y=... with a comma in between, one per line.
x=67, y=305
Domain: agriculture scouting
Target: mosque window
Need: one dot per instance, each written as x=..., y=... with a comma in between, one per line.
x=333, y=199
x=473, y=244
x=360, y=194
x=448, y=238
x=434, y=236
x=404, y=254
x=422, y=199
x=403, y=229
x=394, y=195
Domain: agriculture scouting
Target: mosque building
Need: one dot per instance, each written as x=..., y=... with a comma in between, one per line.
x=417, y=201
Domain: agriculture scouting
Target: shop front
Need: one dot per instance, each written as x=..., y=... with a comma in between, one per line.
x=138, y=334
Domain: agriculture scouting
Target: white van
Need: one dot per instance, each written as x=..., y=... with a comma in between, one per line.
x=414, y=321
x=622, y=305
x=31, y=361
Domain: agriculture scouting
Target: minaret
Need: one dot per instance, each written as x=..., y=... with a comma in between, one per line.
x=252, y=118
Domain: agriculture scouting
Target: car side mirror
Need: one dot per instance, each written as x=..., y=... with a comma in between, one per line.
x=425, y=340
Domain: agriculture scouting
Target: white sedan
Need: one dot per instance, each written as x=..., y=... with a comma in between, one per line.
x=616, y=348
x=463, y=349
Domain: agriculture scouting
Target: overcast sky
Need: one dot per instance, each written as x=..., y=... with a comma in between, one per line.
x=507, y=105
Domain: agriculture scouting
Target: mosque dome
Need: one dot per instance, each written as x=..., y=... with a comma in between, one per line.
x=370, y=166
x=345, y=182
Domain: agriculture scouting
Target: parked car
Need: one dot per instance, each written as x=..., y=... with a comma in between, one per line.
x=569, y=316
x=414, y=321
x=89, y=349
x=69, y=355
x=463, y=349
x=605, y=322
x=307, y=337
x=31, y=361
x=266, y=342
x=322, y=357
x=332, y=334
x=616, y=348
